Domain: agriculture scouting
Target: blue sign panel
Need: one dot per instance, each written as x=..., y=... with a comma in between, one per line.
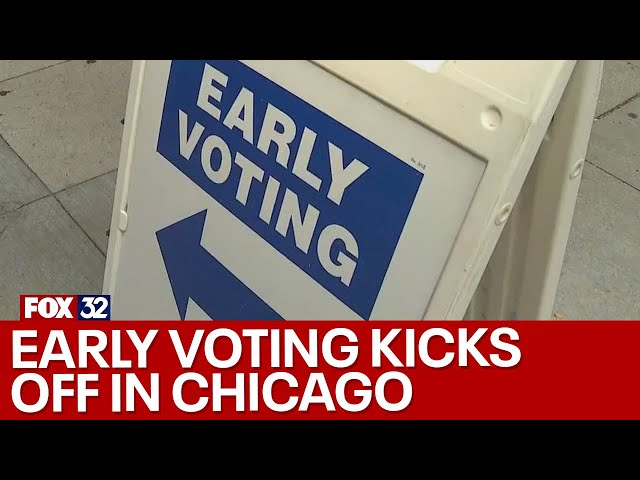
x=331, y=201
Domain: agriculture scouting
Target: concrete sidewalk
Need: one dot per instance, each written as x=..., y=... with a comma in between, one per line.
x=61, y=123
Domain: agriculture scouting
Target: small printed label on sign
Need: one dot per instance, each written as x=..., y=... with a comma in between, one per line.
x=331, y=201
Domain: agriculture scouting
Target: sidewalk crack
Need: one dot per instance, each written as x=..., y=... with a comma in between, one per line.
x=86, y=234
x=9, y=211
x=612, y=175
x=32, y=71
x=617, y=107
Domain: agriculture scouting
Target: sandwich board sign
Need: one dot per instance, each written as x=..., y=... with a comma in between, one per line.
x=316, y=190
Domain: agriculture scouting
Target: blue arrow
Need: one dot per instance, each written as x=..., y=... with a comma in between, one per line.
x=194, y=273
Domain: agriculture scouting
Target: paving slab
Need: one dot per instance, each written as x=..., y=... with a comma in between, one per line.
x=620, y=82
x=601, y=272
x=90, y=204
x=615, y=143
x=42, y=251
x=18, y=184
x=14, y=68
x=65, y=121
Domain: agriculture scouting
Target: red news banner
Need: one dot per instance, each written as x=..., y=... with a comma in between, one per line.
x=319, y=370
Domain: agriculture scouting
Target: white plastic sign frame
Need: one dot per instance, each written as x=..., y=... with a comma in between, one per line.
x=469, y=131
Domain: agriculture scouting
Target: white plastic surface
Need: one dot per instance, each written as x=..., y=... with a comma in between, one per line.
x=458, y=102
x=521, y=279
x=431, y=66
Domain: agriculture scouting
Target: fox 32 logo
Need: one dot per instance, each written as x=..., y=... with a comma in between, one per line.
x=72, y=307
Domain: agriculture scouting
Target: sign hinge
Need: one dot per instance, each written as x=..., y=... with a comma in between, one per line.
x=123, y=220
